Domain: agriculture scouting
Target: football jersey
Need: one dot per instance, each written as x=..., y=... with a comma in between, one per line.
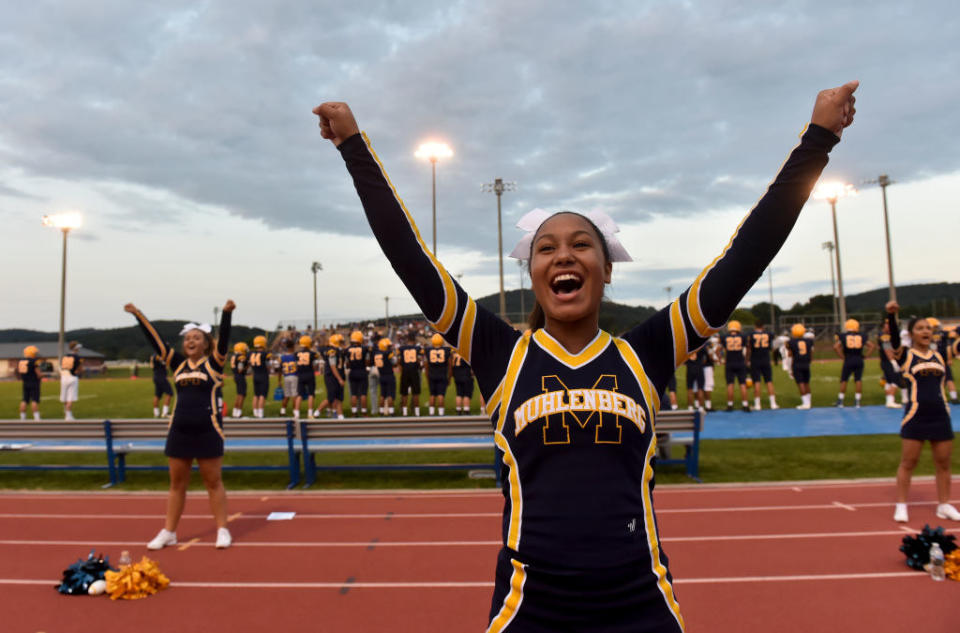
x=802, y=351
x=332, y=357
x=732, y=345
x=852, y=344
x=356, y=356
x=27, y=371
x=576, y=430
x=438, y=361
x=238, y=363
x=383, y=361
x=409, y=356
x=259, y=360
x=306, y=358
x=288, y=364
x=461, y=368
x=760, y=347
x=70, y=363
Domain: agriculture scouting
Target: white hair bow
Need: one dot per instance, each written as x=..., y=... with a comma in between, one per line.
x=203, y=327
x=532, y=221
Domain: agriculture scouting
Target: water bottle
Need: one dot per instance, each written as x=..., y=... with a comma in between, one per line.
x=936, y=563
x=124, y=559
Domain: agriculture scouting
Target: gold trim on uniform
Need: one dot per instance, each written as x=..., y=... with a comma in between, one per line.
x=465, y=340
x=650, y=394
x=587, y=354
x=680, y=349
x=217, y=383
x=513, y=600
x=663, y=583
x=516, y=492
x=449, y=312
x=510, y=379
x=164, y=352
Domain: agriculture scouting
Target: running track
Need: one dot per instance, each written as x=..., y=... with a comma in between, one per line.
x=785, y=558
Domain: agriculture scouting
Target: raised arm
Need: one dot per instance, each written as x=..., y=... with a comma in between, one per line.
x=704, y=307
x=477, y=334
x=223, y=340
x=896, y=346
x=164, y=350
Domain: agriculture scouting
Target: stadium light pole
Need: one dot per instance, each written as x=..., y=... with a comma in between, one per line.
x=65, y=222
x=434, y=151
x=773, y=316
x=828, y=246
x=831, y=192
x=315, y=267
x=498, y=187
x=883, y=180
x=669, y=296
x=386, y=319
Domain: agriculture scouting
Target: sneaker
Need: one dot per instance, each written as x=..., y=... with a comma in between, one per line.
x=839, y=404
x=803, y=406
x=730, y=407
x=893, y=405
x=774, y=406
x=900, y=513
x=223, y=538
x=758, y=408
x=747, y=409
x=947, y=511
x=162, y=539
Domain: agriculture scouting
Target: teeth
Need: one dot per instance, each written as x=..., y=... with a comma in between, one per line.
x=566, y=277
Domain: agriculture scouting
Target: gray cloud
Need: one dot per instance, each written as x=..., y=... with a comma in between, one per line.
x=643, y=109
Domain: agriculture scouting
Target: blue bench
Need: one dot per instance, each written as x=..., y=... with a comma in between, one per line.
x=680, y=428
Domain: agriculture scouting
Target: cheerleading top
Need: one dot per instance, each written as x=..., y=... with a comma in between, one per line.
x=577, y=430
x=924, y=373
x=198, y=383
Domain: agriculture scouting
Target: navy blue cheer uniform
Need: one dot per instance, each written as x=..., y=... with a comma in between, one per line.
x=438, y=370
x=409, y=369
x=736, y=366
x=161, y=386
x=581, y=549
x=943, y=348
x=333, y=358
x=383, y=361
x=196, y=427
x=27, y=373
x=926, y=414
x=306, y=378
x=801, y=350
x=852, y=344
x=462, y=376
x=238, y=364
x=760, y=356
x=259, y=360
x=890, y=375
x=356, y=356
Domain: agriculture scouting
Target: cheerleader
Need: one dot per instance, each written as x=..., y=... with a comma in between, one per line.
x=196, y=428
x=926, y=415
x=573, y=408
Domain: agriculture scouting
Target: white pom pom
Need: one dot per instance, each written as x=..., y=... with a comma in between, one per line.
x=97, y=587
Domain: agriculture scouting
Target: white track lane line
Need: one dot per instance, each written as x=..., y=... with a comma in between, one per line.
x=488, y=584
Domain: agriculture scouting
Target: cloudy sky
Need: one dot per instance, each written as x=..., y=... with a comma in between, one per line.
x=182, y=131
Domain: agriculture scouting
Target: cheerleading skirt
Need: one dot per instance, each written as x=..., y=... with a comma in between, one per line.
x=189, y=438
x=537, y=598
x=930, y=422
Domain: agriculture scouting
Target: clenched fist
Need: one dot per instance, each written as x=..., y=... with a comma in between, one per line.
x=336, y=121
x=834, y=107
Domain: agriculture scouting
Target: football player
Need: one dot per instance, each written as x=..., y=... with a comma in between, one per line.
x=463, y=381
x=438, y=373
x=384, y=360
x=849, y=346
x=358, y=360
x=758, y=356
x=288, y=371
x=259, y=361
x=70, y=367
x=732, y=347
x=694, y=365
x=28, y=372
x=238, y=365
x=306, y=378
x=332, y=376
x=161, y=387
x=411, y=362
x=800, y=349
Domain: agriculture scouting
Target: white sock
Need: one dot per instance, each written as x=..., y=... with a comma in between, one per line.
x=391, y=411
x=756, y=403
x=156, y=412
x=953, y=395
x=729, y=404
x=841, y=396
x=353, y=410
x=856, y=398
x=745, y=405
x=709, y=405
x=165, y=412
x=283, y=411
x=441, y=410
x=432, y=410
x=890, y=399
x=36, y=415
x=404, y=412
x=416, y=411
x=296, y=414
x=673, y=407
x=339, y=416
x=773, y=401
x=903, y=395
x=23, y=415
x=807, y=399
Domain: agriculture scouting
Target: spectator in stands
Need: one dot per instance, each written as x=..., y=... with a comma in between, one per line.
x=196, y=429
x=28, y=372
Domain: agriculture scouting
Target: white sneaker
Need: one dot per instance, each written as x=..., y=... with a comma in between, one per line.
x=162, y=539
x=900, y=513
x=223, y=538
x=947, y=511
x=803, y=406
x=774, y=406
x=894, y=405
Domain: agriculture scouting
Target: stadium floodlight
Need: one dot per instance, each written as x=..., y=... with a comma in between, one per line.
x=434, y=151
x=831, y=191
x=65, y=222
x=498, y=187
x=883, y=180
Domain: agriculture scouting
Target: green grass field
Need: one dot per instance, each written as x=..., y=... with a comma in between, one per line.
x=117, y=396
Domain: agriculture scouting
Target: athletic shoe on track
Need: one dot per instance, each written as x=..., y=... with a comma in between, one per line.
x=947, y=511
x=803, y=406
x=162, y=539
x=893, y=405
x=774, y=406
x=223, y=538
x=900, y=513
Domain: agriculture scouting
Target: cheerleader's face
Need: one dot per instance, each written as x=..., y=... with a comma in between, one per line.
x=568, y=268
x=921, y=333
x=195, y=344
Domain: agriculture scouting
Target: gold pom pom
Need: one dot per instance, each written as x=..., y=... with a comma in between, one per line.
x=136, y=581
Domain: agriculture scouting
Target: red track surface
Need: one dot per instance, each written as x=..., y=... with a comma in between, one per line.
x=811, y=557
